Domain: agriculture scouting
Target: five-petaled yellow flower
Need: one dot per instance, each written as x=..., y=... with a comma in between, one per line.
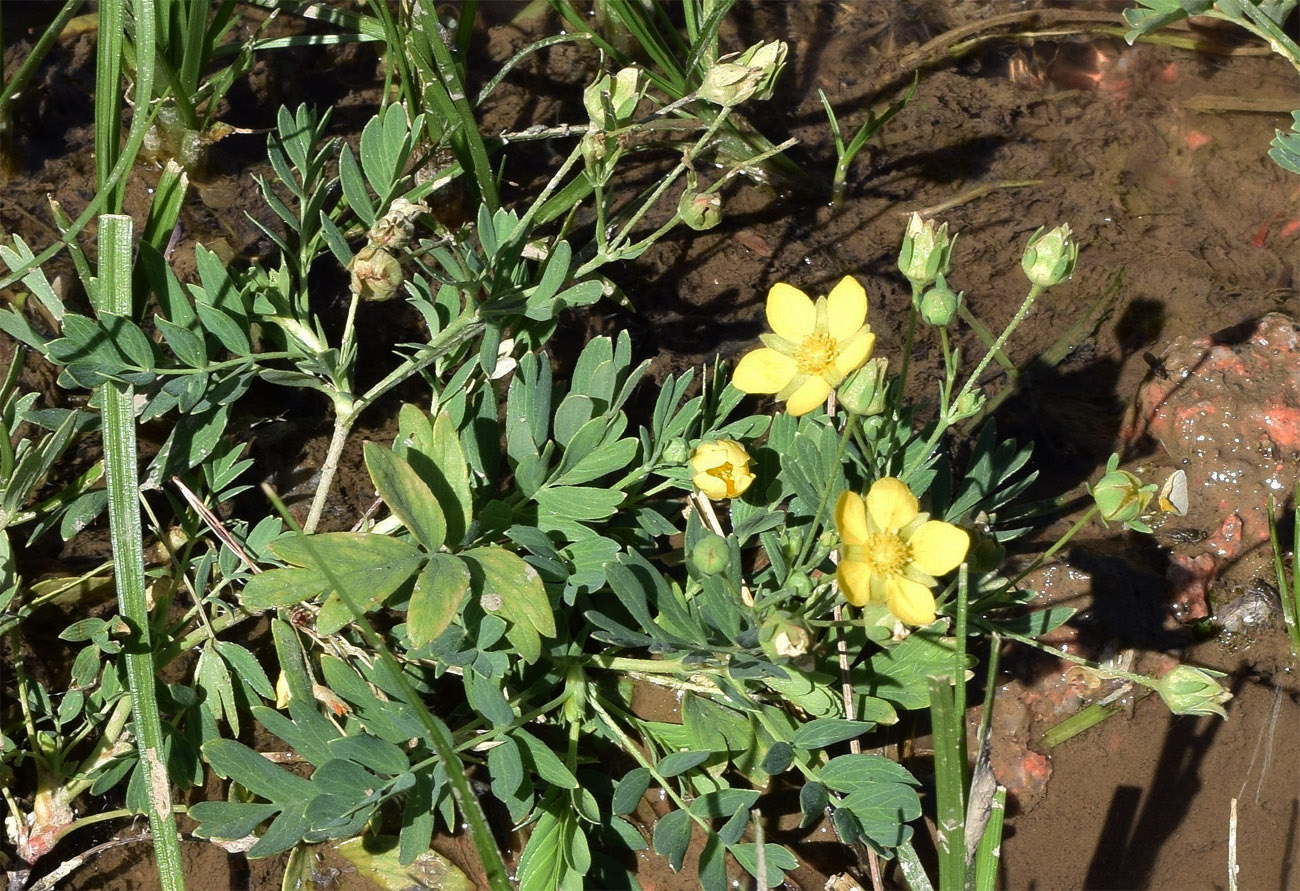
x=720, y=469
x=813, y=347
x=891, y=553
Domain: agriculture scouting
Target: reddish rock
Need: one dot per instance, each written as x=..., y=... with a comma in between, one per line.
x=1226, y=409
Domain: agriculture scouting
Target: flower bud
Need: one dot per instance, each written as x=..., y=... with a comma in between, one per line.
x=968, y=404
x=622, y=92
x=782, y=636
x=799, y=584
x=939, y=304
x=925, y=252
x=720, y=469
x=676, y=451
x=864, y=392
x=1049, y=258
x=700, y=211
x=376, y=274
x=1192, y=691
x=397, y=226
x=751, y=74
x=711, y=554
x=1120, y=496
x=595, y=147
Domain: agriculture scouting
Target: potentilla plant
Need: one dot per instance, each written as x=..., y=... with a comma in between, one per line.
x=797, y=578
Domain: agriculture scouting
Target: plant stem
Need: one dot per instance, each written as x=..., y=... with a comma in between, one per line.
x=122, y=479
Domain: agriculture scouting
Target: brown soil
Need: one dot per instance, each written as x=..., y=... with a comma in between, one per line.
x=1172, y=198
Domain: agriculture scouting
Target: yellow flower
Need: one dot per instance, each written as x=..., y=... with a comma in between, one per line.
x=890, y=553
x=813, y=348
x=720, y=469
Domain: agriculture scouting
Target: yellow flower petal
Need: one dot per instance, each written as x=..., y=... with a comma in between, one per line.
x=708, y=455
x=851, y=518
x=714, y=488
x=939, y=547
x=811, y=393
x=891, y=504
x=855, y=353
x=910, y=602
x=763, y=371
x=846, y=308
x=790, y=312
x=854, y=579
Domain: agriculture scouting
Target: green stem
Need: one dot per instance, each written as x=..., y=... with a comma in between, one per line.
x=122, y=478
x=945, y=416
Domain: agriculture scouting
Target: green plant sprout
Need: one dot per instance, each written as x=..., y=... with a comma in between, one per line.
x=1288, y=584
x=845, y=153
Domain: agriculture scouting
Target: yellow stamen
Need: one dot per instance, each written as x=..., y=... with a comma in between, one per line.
x=816, y=353
x=887, y=553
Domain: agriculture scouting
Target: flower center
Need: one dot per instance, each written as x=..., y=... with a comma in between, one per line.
x=887, y=553
x=725, y=472
x=816, y=353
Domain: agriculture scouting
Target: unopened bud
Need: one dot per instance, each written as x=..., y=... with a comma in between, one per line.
x=782, y=636
x=864, y=392
x=925, y=252
x=1121, y=497
x=622, y=92
x=1050, y=256
x=1188, y=690
x=700, y=211
x=711, y=554
x=749, y=75
x=376, y=274
x=939, y=304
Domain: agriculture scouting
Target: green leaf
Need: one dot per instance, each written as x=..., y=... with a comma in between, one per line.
x=777, y=858
x=574, y=411
x=236, y=761
x=723, y=803
x=713, y=864
x=672, y=835
x=439, y=590
x=369, y=566
x=611, y=457
x=376, y=754
x=377, y=858
x=229, y=819
x=407, y=496
x=1038, y=622
x=507, y=582
x=224, y=328
x=814, y=692
x=680, y=762
x=900, y=673
x=778, y=759
x=448, y=478
x=630, y=790
x=547, y=764
x=485, y=697
x=184, y=343
x=246, y=667
x=828, y=731
x=277, y=588
x=128, y=338
x=543, y=865
x=578, y=502
x=881, y=795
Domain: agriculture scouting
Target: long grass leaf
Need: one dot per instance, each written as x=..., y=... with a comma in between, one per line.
x=122, y=478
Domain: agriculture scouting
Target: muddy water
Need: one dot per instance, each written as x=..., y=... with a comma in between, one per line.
x=1178, y=211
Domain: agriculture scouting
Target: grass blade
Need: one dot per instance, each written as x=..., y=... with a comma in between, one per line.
x=122, y=478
